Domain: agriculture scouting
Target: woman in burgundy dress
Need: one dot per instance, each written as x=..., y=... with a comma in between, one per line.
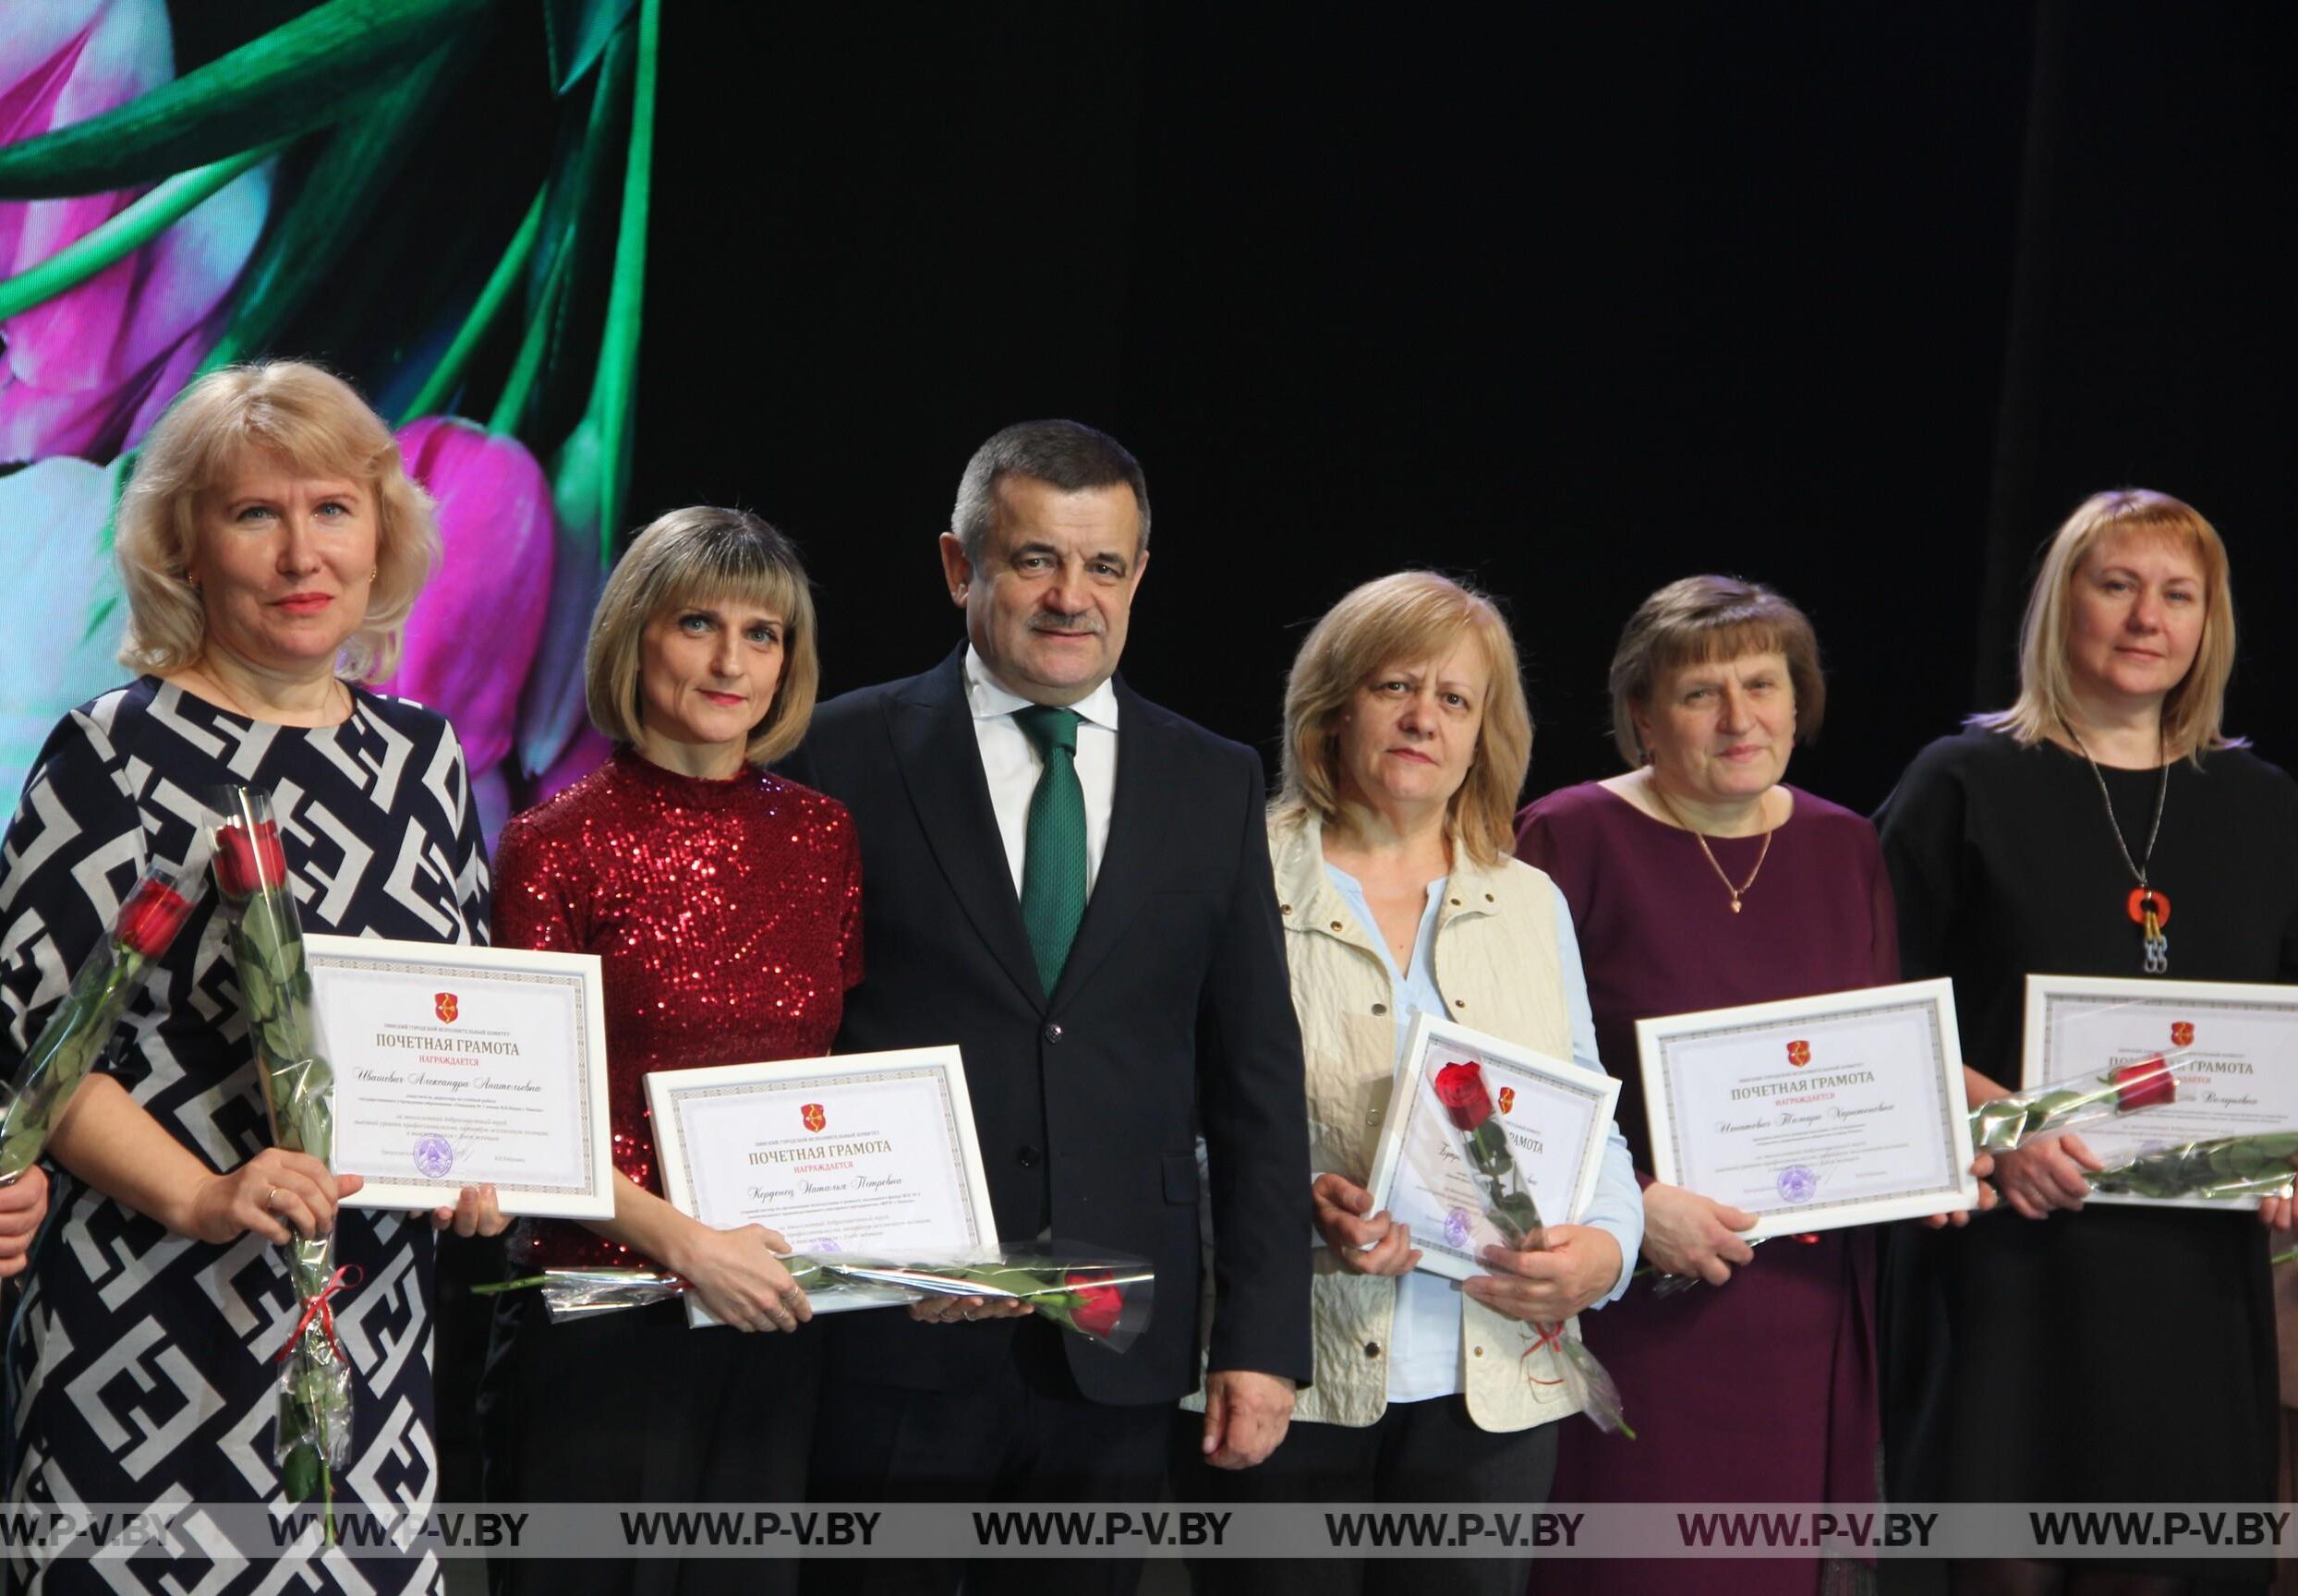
x=1700, y=880
x=725, y=904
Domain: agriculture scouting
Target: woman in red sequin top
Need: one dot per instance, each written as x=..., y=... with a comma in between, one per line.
x=725, y=905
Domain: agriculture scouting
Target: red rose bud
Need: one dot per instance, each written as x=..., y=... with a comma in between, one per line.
x=244, y=864
x=1098, y=1309
x=2144, y=1085
x=1460, y=1088
x=155, y=911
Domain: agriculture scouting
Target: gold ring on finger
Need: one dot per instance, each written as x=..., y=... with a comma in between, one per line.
x=271, y=1198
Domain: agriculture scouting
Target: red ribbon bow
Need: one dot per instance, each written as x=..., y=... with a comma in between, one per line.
x=1551, y=1335
x=317, y=1306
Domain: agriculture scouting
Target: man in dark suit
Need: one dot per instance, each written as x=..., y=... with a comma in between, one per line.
x=1073, y=886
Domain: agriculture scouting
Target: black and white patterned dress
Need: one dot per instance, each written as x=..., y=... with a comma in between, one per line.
x=140, y=1369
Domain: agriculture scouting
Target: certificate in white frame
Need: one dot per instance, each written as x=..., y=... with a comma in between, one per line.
x=1558, y=1116
x=865, y=1152
x=457, y=1064
x=2239, y=1077
x=1814, y=1113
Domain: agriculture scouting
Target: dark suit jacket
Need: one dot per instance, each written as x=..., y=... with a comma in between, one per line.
x=1173, y=1015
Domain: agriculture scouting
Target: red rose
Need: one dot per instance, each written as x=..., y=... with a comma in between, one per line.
x=1098, y=1309
x=155, y=911
x=1460, y=1088
x=244, y=864
x=2144, y=1085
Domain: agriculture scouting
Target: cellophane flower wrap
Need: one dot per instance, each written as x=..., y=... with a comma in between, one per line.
x=313, y=1435
x=2005, y=1124
x=2223, y=1169
x=1104, y=1297
x=1482, y=1140
x=81, y=1027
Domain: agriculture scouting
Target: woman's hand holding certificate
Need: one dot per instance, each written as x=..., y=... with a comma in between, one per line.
x=738, y=1278
x=2228, y=1043
x=461, y=1066
x=1572, y=1272
x=1688, y=1237
x=1810, y=1114
x=1549, y=1118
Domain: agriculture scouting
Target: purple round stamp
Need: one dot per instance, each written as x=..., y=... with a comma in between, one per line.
x=1796, y=1184
x=1457, y=1223
x=433, y=1157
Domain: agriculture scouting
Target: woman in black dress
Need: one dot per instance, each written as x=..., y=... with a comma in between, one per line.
x=271, y=546
x=2115, y=1354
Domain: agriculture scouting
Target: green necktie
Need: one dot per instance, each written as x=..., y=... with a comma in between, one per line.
x=1053, y=854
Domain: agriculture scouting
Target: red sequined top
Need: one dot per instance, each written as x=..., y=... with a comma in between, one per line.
x=728, y=916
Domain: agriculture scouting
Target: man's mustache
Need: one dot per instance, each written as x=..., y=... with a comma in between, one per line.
x=1054, y=620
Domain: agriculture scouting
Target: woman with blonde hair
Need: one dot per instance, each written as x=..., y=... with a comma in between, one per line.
x=271, y=547
x=725, y=903
x=2103, y=825
x=1406, y=739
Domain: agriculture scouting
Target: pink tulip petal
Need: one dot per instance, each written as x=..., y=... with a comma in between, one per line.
x=191, y=267
x=39, y=51
x=37, y=423
x=472, y=636
x=184, y=279
x=131, y=49
x=97, y=423
x=146, y=399
x=129, y=314
x=64, y=61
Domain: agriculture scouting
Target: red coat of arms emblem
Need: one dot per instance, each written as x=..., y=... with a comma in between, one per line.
x=1799, y=1054
x=2181, y=1032
x=445, y=1006
x=1507, y=1098
x=814, y=1116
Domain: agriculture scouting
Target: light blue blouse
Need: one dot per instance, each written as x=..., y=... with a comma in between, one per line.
x=1424, y=1340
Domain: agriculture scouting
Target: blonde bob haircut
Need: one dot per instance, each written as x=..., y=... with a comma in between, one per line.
x=2193, y=713
x=1704, y=621
x=702, y=555
x=1405, y=619
x=317, y=425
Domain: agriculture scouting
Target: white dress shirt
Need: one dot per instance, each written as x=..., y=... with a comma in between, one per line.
x=1011, y=762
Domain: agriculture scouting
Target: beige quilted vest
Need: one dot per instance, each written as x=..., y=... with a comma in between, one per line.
x=1496, y=964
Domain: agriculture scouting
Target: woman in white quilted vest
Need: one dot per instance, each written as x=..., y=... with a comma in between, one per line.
x=1406, y=739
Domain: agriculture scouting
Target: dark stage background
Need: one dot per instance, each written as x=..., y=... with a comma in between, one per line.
x=1858, y=300
x=1855, y=300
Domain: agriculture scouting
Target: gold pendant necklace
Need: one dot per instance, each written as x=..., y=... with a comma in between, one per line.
x=1653, y=786
x=224, y=698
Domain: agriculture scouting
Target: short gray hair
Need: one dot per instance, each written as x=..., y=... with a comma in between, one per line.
x=1065, y=454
